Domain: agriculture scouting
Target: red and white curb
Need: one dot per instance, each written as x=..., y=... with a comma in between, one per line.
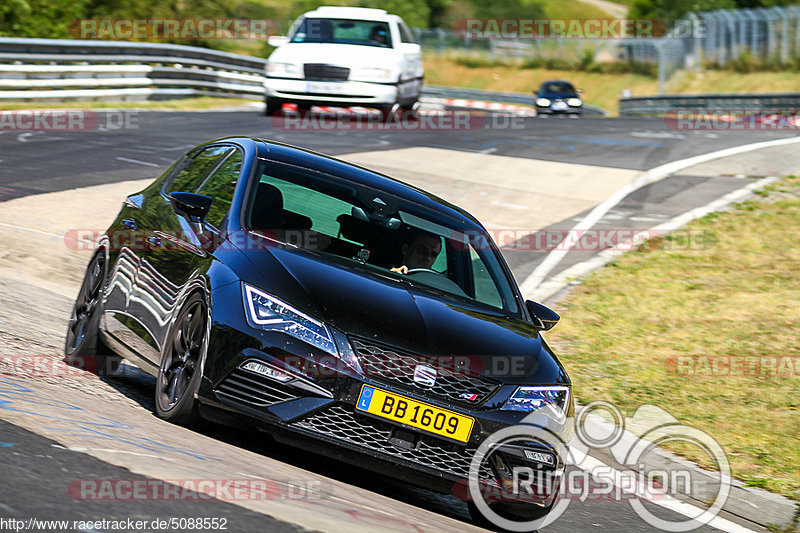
x=517, y=109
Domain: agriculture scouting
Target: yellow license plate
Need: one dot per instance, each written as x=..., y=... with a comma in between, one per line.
x=415, y=414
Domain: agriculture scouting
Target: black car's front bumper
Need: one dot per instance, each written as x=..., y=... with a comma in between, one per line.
x=541, y=110
x=318, y=410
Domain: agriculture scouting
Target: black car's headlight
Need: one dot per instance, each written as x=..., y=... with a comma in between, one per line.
x=543, y=102
x=535, y=398
x=574, y=102
x=264, y=311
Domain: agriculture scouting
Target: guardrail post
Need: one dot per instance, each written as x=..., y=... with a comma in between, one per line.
x=662, y=67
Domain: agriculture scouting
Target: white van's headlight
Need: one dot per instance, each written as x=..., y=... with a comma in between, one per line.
x=275, y=68
x=381, y=75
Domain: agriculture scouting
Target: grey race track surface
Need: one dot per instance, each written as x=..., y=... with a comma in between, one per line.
x=36, y=472
x=35, y=162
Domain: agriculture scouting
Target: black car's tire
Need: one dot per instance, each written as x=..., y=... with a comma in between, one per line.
x=83, y=347
x=530, y=512
x=180, y=372
x=272, y=106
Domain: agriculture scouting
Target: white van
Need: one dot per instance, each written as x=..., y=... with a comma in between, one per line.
x=343, y=57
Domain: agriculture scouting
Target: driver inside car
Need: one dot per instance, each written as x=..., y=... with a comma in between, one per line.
x=420, y=251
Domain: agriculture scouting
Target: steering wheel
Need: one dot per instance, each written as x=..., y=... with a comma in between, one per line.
x=438, y=280
x=421, y=270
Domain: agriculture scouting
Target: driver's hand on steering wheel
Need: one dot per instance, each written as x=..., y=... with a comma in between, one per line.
x=400, y=270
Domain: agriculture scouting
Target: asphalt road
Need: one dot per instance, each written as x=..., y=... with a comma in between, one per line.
x=47, y=161
x=36, y=470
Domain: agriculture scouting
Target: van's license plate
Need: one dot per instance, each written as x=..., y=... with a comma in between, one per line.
x=416, y=414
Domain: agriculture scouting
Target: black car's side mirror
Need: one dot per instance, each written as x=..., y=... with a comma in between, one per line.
x=543, y=317
x=193, y=206
x=536, y=93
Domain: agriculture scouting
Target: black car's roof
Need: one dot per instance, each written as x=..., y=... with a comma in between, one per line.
x=286, y=153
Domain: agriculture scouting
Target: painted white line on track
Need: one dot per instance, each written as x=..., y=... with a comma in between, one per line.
x=136, y=161
x=607, y=473
x=580, y=270
x=23, y=228
x=551, y=261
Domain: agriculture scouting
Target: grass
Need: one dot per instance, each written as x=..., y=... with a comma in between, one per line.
x=181, y=104
x=558, y=9
x=625, y=327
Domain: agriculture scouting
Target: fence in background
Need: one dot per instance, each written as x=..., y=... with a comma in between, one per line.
x=718, y=38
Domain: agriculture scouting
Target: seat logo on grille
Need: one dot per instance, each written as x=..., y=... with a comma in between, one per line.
x=425, y=375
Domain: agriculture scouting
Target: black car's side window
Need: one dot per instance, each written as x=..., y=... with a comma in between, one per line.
x=220, y=186
x=194, y=172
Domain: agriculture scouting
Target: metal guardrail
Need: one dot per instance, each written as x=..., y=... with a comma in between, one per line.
x=55, y=69
x=492, y=96
x=734, y=102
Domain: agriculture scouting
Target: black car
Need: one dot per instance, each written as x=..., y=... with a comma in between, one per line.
x=558, y=97
x=340, y=309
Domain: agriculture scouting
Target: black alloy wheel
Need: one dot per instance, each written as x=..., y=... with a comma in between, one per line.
x=83, y=347
x=179, y=375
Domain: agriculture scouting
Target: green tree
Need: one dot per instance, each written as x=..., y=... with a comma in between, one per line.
x=39, y=18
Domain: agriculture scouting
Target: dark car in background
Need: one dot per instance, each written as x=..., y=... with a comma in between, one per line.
x=260, y=284
x=558, y=97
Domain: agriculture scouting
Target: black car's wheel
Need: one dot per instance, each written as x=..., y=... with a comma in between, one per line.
x=83, y=347
x=179, y=375
x=272, y=106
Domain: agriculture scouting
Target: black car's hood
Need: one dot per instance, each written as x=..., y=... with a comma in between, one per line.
x=378, y=307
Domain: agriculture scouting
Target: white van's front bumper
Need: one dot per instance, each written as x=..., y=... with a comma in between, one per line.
x=331, y=92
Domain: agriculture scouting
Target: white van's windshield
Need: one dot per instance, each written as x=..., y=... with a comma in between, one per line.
x=343, y=31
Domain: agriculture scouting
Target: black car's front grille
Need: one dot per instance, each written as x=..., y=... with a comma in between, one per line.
x=386, y=364
x=341, y=424
x=322, y=72
x=252, y=389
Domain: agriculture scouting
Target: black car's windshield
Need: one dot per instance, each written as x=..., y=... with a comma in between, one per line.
x=557, y=87
x=343, y=31
x=379, y=232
